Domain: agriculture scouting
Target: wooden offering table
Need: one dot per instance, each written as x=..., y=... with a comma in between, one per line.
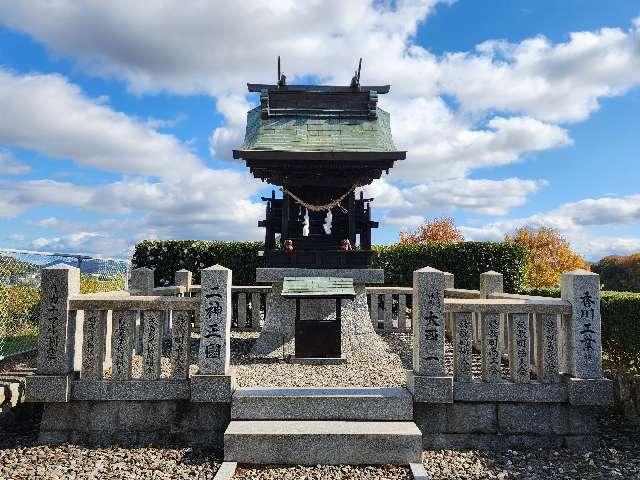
x=318, y=338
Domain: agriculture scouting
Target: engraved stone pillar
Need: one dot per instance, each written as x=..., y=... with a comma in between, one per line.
x=428, y=381
x=519, y=364
x=180, y=344
x=122, y=343
x=428, y=321
x=94, y=344
x=462, y=338
x=547, y=347
x=582, y=338
x=215, y=313
x=152, y=344
x=490, y=334
x=57, y=327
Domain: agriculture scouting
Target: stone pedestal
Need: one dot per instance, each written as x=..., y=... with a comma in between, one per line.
x=276, y=339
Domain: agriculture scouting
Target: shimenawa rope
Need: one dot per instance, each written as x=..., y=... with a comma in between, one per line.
x=326, y=206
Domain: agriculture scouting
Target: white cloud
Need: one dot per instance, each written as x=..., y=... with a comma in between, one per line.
x=49, y=222
x=408, y=206
x=441, y=144
x=215, y=46
x=230, y=136
x=552, y=82
x=575, y=220
x=11, y=166
x=48, y=114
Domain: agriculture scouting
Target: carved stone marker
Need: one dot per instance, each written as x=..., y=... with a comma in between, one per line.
x=462, y=349
x=152, y=344
x=122, y=344
x=94, y=331
x=428, y=321
x=490, y=334
x=180, y=344
x=547, y=347
x=57, y=327
x=215, y=314
x=582, y=338
x=519, y=345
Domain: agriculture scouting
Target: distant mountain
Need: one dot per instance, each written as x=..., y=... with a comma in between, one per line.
x=93, y=265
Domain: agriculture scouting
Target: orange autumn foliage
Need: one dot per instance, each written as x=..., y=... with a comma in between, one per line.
x=438, y=230
x=550, y=254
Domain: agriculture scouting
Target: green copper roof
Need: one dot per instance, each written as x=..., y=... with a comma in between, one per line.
x=301, y=133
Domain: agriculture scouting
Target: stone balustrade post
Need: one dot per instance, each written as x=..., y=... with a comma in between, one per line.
x=213, y=382
x=56, y=338
x=57, y=326
x=493, y=282
x=183, y=278
x=141, y=282
x=582, y=343
x=428, y=381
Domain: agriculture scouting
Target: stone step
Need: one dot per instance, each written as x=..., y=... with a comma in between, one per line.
x=13, y=392
x=365, y=403
x=305, y=442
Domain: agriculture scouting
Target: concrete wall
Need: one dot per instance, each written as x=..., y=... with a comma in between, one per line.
x=131, y=423
x=464, y=425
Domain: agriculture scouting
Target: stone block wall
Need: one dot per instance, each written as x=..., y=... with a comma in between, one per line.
x=491, y=425
x=135, y=423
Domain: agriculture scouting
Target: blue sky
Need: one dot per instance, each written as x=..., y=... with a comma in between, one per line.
x=118, y=121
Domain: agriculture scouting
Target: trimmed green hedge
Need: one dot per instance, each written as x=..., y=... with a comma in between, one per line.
x=620, y=313
x=168, y=256
x=466, y=260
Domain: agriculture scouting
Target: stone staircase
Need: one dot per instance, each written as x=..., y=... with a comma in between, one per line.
x=310, y=426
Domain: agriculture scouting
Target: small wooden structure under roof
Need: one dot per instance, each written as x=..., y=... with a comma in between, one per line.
x=319, y=143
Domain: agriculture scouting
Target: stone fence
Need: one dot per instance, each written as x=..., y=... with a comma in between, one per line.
x=522, y=365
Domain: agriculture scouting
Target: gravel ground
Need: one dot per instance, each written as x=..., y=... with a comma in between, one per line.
x=21, y=458
x=618, y=457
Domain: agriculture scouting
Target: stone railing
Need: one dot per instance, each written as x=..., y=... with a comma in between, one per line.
x=87, y=342
x=528, y=345
x=248, y=303
x=391, y=307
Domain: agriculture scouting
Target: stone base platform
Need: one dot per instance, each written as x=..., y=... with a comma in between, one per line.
x=358, y=336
